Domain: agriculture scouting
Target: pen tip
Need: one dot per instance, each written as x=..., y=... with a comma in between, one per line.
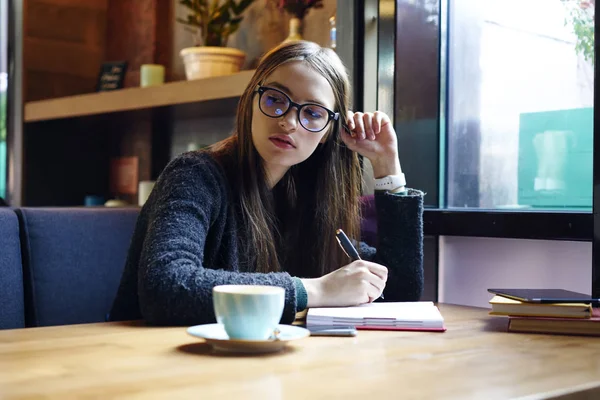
x=338, y=231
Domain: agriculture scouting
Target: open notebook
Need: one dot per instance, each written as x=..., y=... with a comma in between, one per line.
x=419, y=316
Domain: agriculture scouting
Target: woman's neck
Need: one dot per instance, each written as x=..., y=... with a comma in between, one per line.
x=274, y=174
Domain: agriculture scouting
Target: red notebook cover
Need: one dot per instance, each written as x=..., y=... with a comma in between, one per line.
x=393, y=328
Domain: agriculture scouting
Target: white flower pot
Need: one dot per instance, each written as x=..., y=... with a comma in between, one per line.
x=207, y=61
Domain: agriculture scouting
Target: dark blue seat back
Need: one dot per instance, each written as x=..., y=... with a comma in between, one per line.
x=72, y=261
x=12, y=306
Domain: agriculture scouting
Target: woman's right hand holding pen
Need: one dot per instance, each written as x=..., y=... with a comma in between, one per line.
x=356, y=283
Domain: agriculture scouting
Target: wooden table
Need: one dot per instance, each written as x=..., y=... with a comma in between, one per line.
x=475, y=359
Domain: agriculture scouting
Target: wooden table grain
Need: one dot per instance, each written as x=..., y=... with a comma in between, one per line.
x=475, y=359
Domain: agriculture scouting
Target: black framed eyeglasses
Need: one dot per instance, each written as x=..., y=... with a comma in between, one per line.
x=313, y=117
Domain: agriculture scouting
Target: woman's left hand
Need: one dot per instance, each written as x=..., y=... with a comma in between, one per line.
x=373, y=136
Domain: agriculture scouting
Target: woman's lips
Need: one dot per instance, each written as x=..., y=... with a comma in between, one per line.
x=281, y=143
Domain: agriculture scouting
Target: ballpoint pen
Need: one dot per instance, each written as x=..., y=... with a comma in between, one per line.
x=348, y=248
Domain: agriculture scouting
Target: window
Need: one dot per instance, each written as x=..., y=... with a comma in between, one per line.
x=493, y=104
x=3, y=94
x=519, y=104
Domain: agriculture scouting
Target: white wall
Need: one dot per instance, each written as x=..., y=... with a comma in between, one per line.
x=469, y=266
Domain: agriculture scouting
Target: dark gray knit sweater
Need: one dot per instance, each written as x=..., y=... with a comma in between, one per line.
x=185, y=243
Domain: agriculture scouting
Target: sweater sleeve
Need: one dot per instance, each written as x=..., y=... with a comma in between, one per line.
x=301, y=295
x=399, y=244
x=174, y=285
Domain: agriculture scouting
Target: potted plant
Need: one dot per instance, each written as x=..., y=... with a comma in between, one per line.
x=212, y=21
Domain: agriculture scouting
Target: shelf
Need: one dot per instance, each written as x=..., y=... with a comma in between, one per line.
x=169, y=94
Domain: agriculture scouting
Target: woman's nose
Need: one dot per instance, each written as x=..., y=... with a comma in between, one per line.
x=289, y=121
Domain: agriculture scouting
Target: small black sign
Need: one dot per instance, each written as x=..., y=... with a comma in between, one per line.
x=112, y=75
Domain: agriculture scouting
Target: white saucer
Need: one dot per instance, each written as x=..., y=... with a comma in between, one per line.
x=215, y=335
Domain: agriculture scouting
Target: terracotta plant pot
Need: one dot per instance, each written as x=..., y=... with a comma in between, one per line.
x=207, y=61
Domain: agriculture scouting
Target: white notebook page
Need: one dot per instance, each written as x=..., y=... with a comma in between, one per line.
x=378, y=314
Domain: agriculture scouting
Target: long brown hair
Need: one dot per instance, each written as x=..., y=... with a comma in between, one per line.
x=293, y=225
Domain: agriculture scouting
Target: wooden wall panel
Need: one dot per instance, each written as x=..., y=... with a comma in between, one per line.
x=135, y=139
x=64, y=46
x=132, y=136
x=46, y=85
x=139, y=32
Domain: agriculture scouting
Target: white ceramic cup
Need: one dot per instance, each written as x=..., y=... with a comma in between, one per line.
x=248, y=312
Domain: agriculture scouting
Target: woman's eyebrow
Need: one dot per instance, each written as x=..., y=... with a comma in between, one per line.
x=284, y=88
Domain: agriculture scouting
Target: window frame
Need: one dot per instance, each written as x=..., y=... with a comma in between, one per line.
x=596, y=174
x=541, y=225
x=14, y=105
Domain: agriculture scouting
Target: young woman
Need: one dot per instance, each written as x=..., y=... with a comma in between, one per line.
x=263, y=206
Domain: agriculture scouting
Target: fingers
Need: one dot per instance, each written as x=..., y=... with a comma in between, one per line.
x=373, y=268
x=385, y=120
x=378, y=118
x=356, y=125
x=348, y=140
x=359, y=124
x=368, y=293
x=371, y=290
x=375, y=282
x=350, y=121
x=373, y=276
x=376, y=269
x=366, y=125
x=373, y=293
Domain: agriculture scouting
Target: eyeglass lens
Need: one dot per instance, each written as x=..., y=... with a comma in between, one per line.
x=275, y=104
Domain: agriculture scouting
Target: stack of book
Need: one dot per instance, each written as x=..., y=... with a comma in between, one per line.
x=558, y=318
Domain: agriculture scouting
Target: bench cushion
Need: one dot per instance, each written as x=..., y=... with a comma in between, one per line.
x=73, y=259
x=12, y=306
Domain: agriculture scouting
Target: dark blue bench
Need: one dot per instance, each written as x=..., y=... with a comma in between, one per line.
x=12, y=298
x=72, y=262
